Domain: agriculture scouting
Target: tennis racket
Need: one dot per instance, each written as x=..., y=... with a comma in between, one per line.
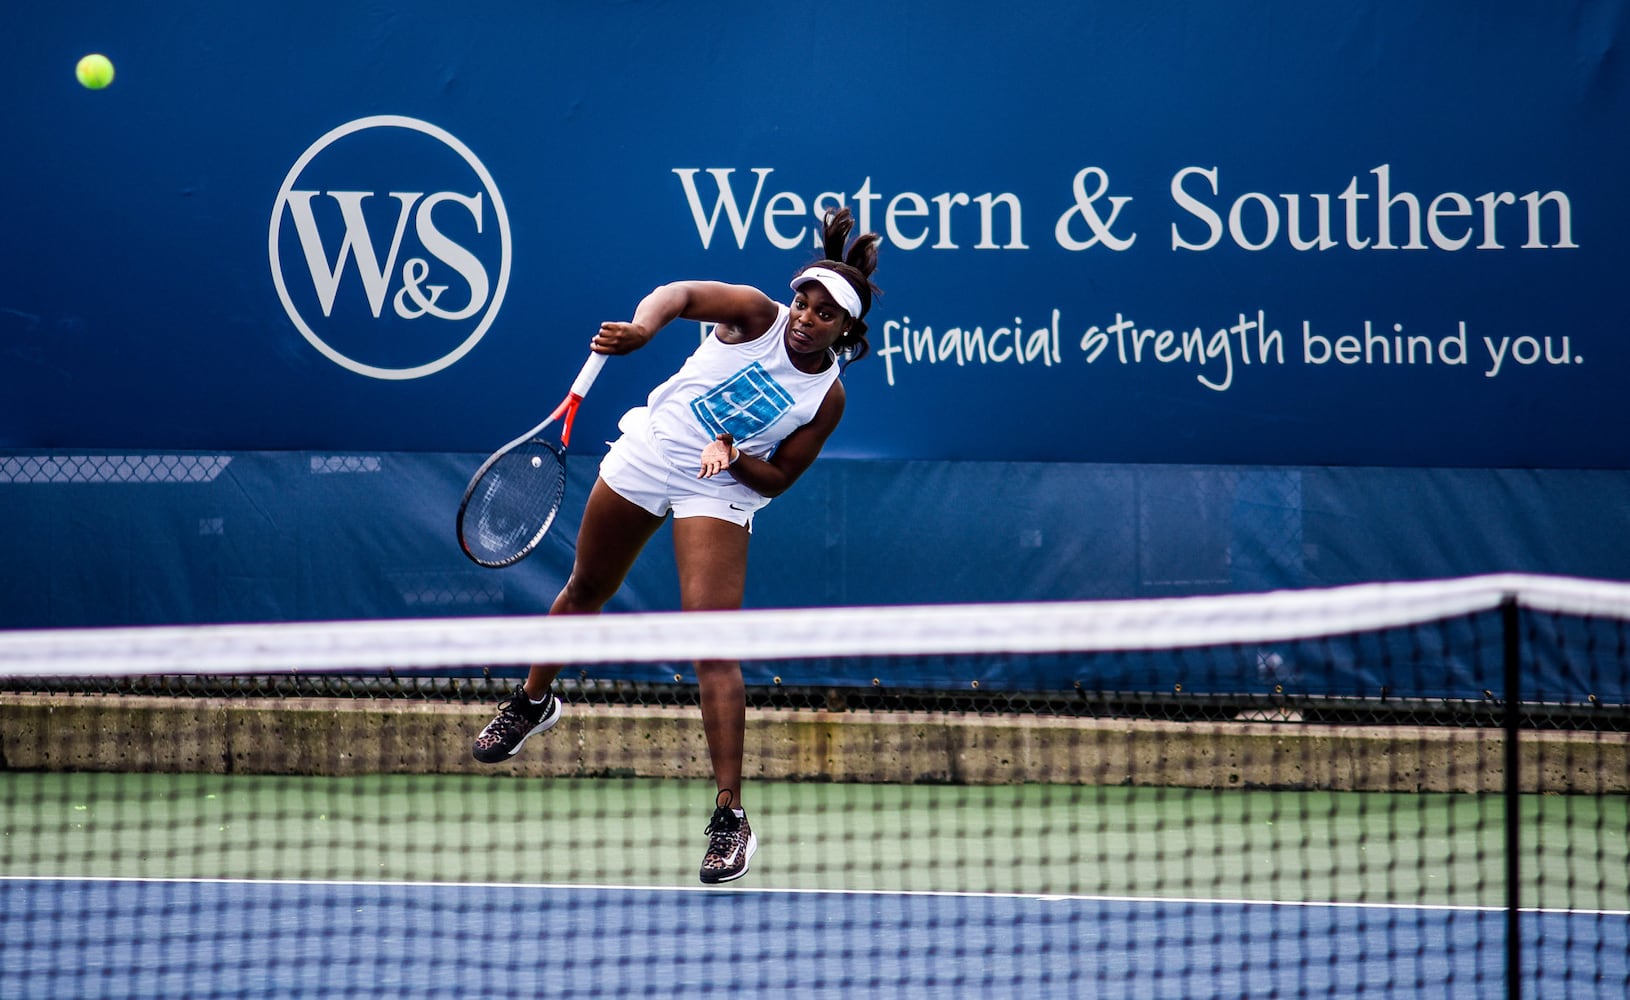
x=514, y=497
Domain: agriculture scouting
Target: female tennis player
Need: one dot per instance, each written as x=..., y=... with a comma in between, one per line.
x=736, y=426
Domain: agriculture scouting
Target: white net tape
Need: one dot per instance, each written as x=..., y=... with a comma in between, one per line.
x=1086, y=626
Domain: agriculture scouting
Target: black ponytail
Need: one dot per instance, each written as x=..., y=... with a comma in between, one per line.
x=855, y=262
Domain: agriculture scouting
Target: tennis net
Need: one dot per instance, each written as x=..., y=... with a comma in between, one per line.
x=1403, y=789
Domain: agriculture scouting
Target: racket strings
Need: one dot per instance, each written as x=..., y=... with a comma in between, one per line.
x=514, y=503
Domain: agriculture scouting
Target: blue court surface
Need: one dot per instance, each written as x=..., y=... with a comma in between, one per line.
x=222, y=938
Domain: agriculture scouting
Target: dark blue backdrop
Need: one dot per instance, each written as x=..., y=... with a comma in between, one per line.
x=148, y=232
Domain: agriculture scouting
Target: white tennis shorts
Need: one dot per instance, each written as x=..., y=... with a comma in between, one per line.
x=635, y=470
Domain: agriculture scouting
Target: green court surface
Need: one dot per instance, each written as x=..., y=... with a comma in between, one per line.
x=1415, y=849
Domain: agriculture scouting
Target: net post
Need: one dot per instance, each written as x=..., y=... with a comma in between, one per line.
x=1511, y=655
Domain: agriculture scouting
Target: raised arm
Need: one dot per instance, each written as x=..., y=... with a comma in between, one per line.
x=742, y=312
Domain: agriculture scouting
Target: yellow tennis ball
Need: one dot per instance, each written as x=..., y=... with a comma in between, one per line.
x=95, y=71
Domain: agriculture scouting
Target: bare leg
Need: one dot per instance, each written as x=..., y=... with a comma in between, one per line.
x=724, y=721
x=712, y=558
x=614, y=531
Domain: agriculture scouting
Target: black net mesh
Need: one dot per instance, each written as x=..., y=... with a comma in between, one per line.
x=1092, y=800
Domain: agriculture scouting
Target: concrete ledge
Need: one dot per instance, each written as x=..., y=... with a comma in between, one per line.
x=347, y=737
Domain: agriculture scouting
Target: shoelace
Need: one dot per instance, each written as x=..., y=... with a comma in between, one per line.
x=518, y=704
x=724, y=818
x=723, y=821
x=512, y=718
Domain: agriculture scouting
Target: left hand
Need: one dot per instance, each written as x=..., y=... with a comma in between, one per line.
x=718, y=456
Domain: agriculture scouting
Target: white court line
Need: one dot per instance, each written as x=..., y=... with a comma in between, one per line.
x=783, y=891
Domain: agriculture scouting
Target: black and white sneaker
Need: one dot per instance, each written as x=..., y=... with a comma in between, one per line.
x=730, y=844
x=516, y=720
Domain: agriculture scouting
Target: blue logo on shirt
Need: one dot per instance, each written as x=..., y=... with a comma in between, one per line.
x=743, y=404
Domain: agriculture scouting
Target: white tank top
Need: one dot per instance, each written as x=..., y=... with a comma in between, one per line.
x=751, y=390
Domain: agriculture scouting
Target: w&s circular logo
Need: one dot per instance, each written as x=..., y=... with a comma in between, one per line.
x=390, y=247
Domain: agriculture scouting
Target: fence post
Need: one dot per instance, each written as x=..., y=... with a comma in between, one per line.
x=1511, y=652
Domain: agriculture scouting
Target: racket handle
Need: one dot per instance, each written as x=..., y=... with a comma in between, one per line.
x=586, y=377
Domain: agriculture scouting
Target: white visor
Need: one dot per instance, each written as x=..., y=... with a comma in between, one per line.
x=837, y=286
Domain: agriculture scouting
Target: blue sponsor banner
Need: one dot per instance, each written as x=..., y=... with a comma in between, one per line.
x=1268, y=233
